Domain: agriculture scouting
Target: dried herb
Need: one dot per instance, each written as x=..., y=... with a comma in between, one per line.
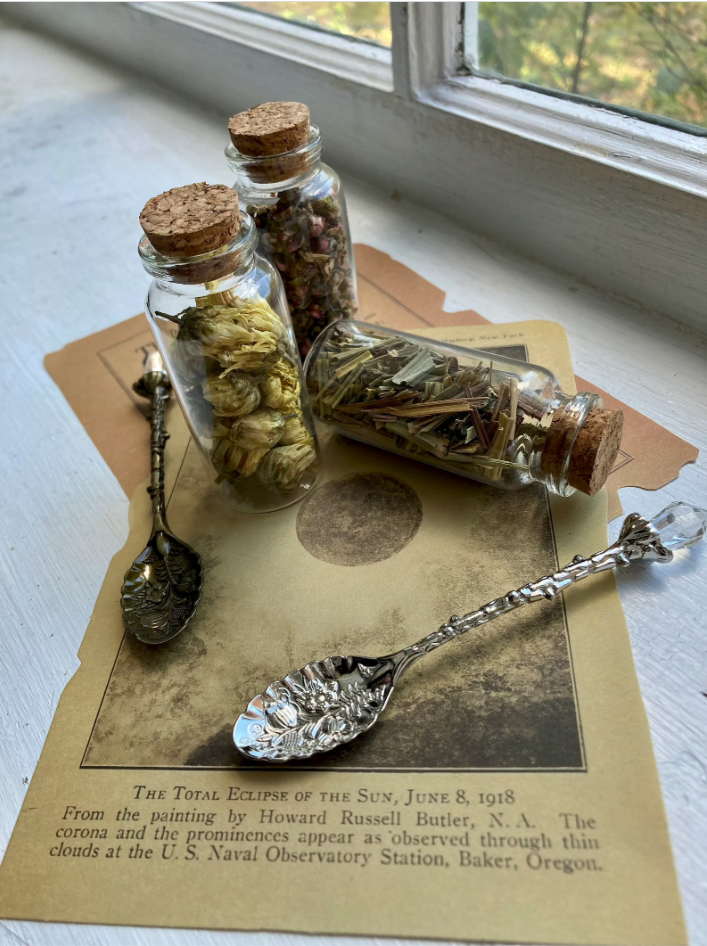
x=412, y=398
x=236, y=369
x=306, y=239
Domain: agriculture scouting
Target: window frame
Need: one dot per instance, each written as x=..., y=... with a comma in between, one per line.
x=596, y=196
x=470, y=40
x=440, y=79
x=340, y=55
x=427, y=64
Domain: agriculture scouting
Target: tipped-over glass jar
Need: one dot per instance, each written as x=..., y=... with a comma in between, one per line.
x=218, y=313
x=481, y=415
x=298, y=206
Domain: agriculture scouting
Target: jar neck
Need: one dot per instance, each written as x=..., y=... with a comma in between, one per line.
x=227, y=265
x=272, y=174
x=551, y=468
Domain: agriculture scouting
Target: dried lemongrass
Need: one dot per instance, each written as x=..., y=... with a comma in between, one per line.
x=421, y=400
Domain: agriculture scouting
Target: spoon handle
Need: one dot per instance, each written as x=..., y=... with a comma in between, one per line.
x=160, y=396
x=155, y=385
x=639, y=539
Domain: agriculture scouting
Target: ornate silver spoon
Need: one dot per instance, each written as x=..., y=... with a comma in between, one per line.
x=162, y=587
x=331, y=702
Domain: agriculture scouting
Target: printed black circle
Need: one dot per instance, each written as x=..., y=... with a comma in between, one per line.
x=359, y=519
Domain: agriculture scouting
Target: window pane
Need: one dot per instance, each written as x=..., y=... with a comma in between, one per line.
x=651, y=57
x=366, y=21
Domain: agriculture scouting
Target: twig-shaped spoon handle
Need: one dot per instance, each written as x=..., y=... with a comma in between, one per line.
x=155, y=385
x=162, y=587
x=638, y=540
x=332, y=701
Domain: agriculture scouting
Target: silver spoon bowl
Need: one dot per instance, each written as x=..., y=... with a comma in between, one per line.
x=320, y=707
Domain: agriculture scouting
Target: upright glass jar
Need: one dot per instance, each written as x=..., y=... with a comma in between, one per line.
x=298, y=206
x=220, y=319
x=481, y=415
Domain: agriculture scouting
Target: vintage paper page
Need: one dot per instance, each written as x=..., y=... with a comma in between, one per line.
x=508, y=793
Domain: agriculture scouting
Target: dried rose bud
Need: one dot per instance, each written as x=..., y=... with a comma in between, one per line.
x=326, y=206
x=261, y=429
x=232, y=396
x=307, y=241
x=297, y=297
x=316, y=225
x=284, y=467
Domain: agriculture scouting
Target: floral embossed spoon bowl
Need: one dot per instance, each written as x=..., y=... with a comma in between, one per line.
x=162, y=587
x=332, y=701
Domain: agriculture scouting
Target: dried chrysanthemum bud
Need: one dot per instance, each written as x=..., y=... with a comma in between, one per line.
x=251, y=461
x=220, y=454
x=249, y=358
x=295, y=432
x=232, y=396
x=281, y=387
x=257, y=313
x=188, y=365
x=201, y=332
x=224, y=332
x=233, y=461
x=221, y=428
x=284, y=467
x=261, y=429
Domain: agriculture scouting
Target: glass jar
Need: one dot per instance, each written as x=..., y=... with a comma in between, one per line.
x=298, y=206
x=481, y=415
x=222, y=324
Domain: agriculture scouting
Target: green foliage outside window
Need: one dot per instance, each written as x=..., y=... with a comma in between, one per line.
x=651, y=57
x=367, y=21
x=647, y=56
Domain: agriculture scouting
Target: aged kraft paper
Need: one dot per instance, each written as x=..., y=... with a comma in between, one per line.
x=509, y=793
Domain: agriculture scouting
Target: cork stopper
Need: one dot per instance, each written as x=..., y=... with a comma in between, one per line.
x=594, y=452
x=272, y=130
x=191, y=220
